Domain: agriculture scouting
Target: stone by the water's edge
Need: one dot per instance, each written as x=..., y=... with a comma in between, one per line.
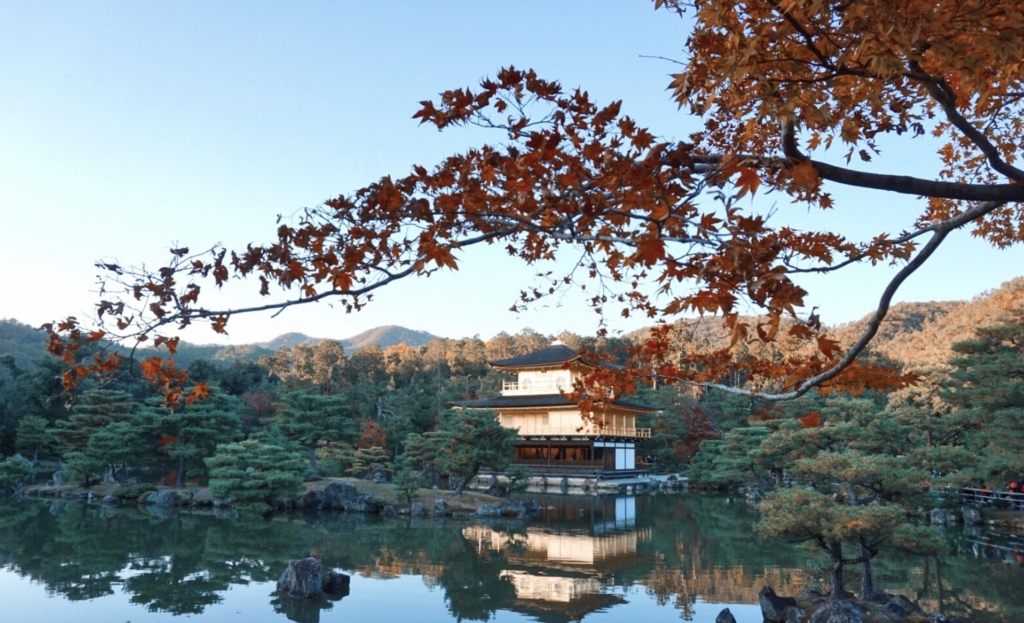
x=163, y=498
x=774, y=607
x=725, y=617
x=304, y=578
x=839, y=612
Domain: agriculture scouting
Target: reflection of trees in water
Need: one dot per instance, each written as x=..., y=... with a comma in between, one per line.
x=688, y=548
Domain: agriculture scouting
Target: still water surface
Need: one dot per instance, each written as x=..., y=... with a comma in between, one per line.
x=607, y=559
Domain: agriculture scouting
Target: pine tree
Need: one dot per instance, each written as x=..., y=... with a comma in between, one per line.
x=116, y=445
x=373, y=463
x=407, y=482
x=856, y=484
x=733, y=459
x=94, y=410
x=258, y=476
x=32, y=435
x=471, y=439
x=986, y=389
x=193, y=432
x=309, y=419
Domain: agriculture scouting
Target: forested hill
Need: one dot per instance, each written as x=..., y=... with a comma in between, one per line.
x=25, y=344
x=917, y=336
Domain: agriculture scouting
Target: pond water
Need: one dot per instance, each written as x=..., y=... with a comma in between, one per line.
x=600, y=559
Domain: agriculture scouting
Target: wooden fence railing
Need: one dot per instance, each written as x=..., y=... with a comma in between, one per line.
x=987, y=497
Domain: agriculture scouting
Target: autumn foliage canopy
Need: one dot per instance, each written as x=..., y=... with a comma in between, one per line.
x=791, y=94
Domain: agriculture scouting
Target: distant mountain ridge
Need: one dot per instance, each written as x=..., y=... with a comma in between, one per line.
x=388, y=335
x=916, y=336
x=26, y=343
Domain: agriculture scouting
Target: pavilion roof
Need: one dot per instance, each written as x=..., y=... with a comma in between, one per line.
x=556, y=354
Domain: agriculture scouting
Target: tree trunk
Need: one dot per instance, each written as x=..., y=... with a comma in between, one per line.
x=180, y=484
x=836, y=553
x=867, y=583
x=35, y=456
x=312, y=460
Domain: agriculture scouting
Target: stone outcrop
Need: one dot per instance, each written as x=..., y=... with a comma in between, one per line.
x=725, y=617
x=304, y=578
x=441, y=506
x=774, y=608
x=343, y=496
x=488, y=510
x=972, y=516
x=511, y=508
x=164, y=498
x=839, y=612
x=937, y=516
x=310, y=500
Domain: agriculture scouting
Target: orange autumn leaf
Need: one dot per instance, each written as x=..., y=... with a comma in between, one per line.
x=811, y=420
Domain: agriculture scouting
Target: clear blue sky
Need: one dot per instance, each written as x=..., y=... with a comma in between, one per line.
x=126, y=127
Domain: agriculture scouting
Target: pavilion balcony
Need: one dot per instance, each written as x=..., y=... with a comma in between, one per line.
x=526, y=388
x=590, y=431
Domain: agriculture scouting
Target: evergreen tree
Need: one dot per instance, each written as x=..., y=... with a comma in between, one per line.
x=193, y=432
x=373, y=463
x=471, y=439
x=32, y=435
x=112, y=449
x=407, y=482
x=309, y=419
x=13, y=472
x=853, y=456
x=733, y=459
x=258, y=476
x=94, y=410
x=423, y=452
x=518, y=479
x=986, y=389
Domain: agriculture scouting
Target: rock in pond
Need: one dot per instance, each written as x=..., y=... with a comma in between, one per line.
x=511, y=508
x=441, y=506
x=343, y=496
x=725, y=617
x=163, y=498
x=310, y=500
x=337, y=493
x=773, y=607
x=305, y=578
x=488, y=510
x=416, y=509
x=111, y=499
x=937, y=516
x=972, y=516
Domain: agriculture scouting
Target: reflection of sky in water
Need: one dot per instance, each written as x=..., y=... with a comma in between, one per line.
x=404, y=598
x=629, y=558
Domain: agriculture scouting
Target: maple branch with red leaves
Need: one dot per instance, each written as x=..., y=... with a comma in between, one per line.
x=661, y=218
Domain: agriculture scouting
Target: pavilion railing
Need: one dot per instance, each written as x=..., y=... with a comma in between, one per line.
x=987, y=497
x=591, y=431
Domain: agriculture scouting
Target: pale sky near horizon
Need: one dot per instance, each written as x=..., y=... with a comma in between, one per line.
x=127, y=128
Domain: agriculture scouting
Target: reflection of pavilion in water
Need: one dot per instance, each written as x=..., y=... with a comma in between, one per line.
x=565, y=571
